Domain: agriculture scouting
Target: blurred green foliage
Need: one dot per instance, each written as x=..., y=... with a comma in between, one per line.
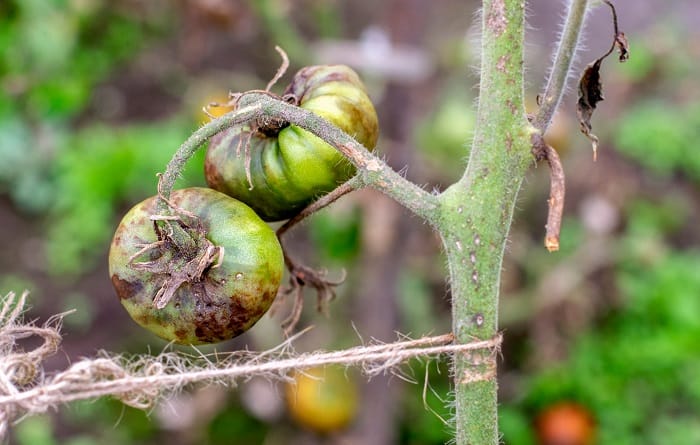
x=426, y=420
x=233, y=422
x=336, y=234
x=35, y=431
x=444, y=136
x=663, y=137
x=109, y=422
x=100, y=168
x=634, y=371
x=53, y=56
x=52, y=53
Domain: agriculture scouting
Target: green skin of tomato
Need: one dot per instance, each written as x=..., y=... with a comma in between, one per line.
x=291, y=169
x=229, y=299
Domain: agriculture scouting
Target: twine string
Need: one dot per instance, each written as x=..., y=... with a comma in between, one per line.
x=141, y=380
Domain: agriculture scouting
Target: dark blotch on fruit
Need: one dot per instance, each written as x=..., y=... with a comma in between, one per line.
x=126, y=289
x=303, y=75
x=181, y=334
x=219, y=321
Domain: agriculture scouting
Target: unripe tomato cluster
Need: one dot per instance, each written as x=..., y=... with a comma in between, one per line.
x=291, y=167
x=212, y=268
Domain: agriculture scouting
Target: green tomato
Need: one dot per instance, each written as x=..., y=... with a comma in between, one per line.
x=228, y=298
x=290, y=168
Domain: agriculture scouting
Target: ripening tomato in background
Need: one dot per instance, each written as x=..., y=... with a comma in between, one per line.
x=213, y=111
x=565, y=423
x=322, y=399
x=291, y=167
x=228, y=299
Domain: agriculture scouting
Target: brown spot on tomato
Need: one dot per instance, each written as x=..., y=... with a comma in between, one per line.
x=216, y=322
x=181, y=334
x=306, y=79
x=125, y=289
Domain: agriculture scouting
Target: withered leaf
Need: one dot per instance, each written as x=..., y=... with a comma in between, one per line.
x=590, y=92
x=622, y=46
x=590, y=88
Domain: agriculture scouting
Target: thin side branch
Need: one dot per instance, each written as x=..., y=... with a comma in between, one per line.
x=561, y=68
x=301, y=275
x=354, y=183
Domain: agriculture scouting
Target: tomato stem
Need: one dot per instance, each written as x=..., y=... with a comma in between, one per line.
x=351, y=185
x=477, y=213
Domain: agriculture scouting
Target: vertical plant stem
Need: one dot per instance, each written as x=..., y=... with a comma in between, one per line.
x=476, y=214
x=566, y=50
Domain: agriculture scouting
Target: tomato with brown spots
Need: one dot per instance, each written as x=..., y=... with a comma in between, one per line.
x=227, y=295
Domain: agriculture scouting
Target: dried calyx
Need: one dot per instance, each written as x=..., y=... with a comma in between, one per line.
x=181, y=254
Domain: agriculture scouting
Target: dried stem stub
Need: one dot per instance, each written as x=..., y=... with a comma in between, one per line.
x=542, y=151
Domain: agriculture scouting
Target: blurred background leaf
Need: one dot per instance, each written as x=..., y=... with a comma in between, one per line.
x=95, y=96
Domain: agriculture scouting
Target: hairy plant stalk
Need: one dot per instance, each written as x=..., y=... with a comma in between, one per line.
x=476, y=216
x=561, y=68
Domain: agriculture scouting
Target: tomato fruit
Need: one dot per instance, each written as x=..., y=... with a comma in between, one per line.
x=322, y=399
x=219, y=110
x=227, y=298
x=291, y=167
x=565, y=423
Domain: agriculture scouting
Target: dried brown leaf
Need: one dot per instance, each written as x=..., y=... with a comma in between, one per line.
x=590, y=92
x=622, y=46
x=590, y=87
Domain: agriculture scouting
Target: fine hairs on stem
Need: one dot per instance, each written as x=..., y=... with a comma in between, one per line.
x=561, y=67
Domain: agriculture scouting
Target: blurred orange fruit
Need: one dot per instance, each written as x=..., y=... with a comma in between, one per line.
x=565, y=423
x=216, y=111
x=322, y=399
